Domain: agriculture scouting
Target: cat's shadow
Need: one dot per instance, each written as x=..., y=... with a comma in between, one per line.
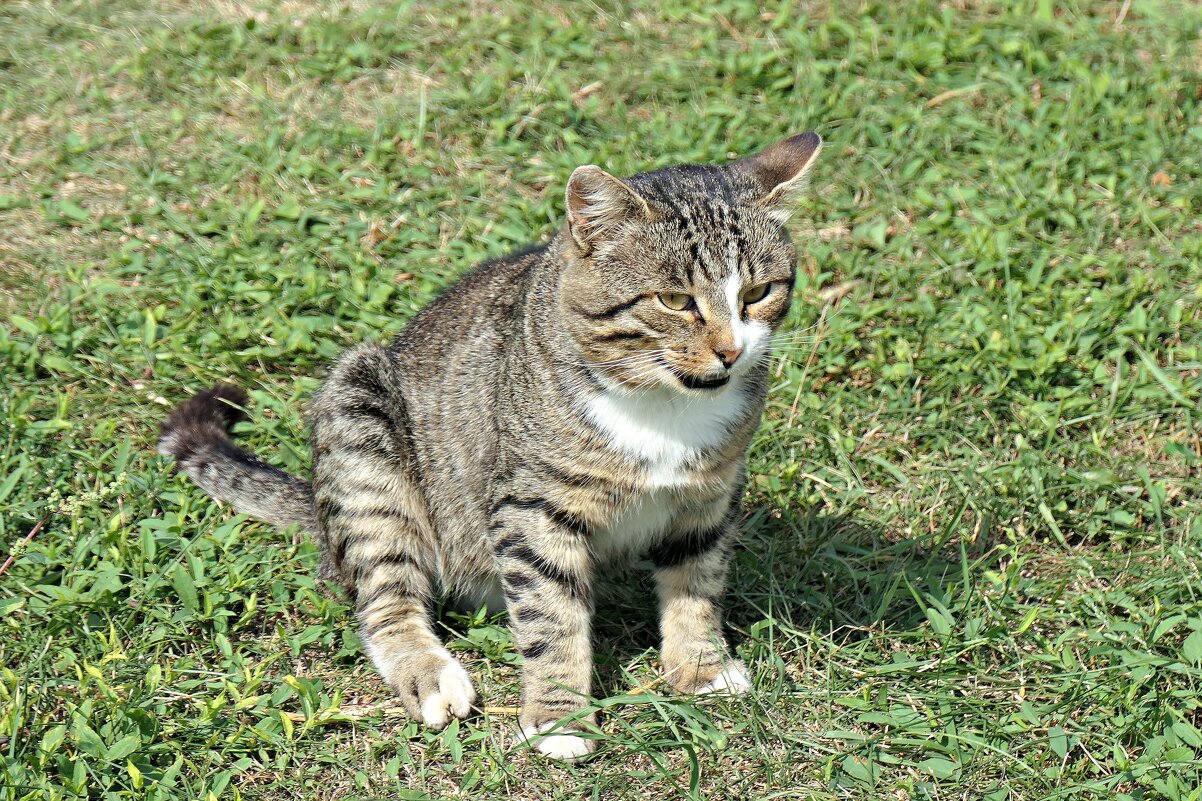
x=829, y=575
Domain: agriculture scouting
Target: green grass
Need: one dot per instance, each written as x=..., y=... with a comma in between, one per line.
x=971, y=562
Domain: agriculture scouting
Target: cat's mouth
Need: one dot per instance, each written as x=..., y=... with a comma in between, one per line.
x=693, y=382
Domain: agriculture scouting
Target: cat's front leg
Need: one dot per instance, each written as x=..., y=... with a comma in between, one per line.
x=545, y=565
x=690, y=572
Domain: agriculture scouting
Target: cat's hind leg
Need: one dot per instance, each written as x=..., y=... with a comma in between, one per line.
x=394, y=623
x=377, y=537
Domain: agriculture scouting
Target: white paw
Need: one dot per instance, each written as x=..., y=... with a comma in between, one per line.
x=558, y=746
x=455, y=696
x=733, y=680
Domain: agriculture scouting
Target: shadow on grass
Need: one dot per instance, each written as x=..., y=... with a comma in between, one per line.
x=806, y=572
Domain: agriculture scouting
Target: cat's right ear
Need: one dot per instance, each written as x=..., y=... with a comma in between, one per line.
x=597, y=203
x=781, y=169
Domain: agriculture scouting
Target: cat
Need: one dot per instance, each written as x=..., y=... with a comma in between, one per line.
x=554, y=410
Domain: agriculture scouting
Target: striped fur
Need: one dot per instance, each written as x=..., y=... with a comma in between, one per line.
x=546, y=413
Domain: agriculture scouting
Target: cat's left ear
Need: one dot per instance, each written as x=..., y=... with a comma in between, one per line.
x=597, y=203
x=781, y=169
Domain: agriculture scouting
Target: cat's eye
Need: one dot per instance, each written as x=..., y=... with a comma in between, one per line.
x=676, y=301
x=756, y=293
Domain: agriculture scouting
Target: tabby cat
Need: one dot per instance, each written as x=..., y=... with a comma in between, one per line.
x=554, y=410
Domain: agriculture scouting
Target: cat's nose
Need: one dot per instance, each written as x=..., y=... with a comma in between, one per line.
x=728, y=354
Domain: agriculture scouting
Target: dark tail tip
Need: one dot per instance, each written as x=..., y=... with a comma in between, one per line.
x=202, y=420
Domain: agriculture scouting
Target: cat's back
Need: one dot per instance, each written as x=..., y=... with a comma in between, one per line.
x=451, y=365
x=472, y=312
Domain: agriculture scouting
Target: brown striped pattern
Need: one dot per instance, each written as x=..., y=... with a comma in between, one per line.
x=474, y=455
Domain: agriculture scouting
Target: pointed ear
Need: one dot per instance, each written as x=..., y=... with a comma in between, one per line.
x=597, y=202
x=781, y=169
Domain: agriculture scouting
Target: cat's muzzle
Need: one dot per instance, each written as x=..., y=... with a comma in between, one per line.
x=702, y=382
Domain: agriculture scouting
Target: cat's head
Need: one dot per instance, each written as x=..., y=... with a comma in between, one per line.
x=678, y=277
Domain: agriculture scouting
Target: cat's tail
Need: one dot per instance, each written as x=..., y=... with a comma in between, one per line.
x=197, y=435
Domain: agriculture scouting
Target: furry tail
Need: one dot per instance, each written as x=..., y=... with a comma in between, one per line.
x=196, y=434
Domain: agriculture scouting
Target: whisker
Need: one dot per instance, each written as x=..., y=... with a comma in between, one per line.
x=811, y=327
x=793, y=338
x=634, y=358
x=642, y=378
x=649, y=371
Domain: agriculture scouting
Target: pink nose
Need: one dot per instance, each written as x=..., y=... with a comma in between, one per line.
x=728, y=354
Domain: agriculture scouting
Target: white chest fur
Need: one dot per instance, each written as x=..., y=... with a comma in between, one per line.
x=636, y=528
x=663, y=432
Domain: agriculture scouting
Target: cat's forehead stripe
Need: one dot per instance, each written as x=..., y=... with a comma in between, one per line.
x=710, y=224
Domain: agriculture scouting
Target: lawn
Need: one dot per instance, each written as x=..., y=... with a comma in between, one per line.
x=971, y=565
